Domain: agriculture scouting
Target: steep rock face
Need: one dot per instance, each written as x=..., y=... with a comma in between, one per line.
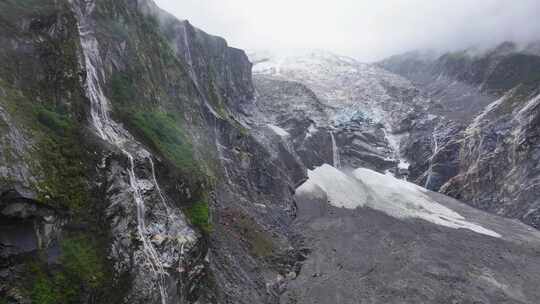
x=128, y=168
x=290, y=111
x=498, y=168
x=488, y=98
x=366, y=110
x=44, y=175
x=380, y=214
x=251, y=244
x=139, y=163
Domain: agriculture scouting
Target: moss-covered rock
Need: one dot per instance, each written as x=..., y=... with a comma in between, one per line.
x=199, y=216
x=82, y=273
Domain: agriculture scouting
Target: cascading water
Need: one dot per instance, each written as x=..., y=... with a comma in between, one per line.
x=191, y=71
x=335, y=151
x=150, y=252
x=221, y=156
x=435, y=152
x=394, y=141
x=115, y=134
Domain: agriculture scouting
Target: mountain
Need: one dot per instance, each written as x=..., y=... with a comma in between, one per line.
x=112, y=112
x=368, y=109
x=483, y=150
x=383, y=240
x=143, y=160
x=405, y=236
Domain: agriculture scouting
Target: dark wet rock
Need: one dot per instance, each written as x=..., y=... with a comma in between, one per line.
x=214, y=158
x=486, y=104
x=326, y=101
x=29, y=229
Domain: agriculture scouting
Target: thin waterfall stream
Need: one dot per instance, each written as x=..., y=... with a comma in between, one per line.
x=435, y=143
x=115, y=134
x=335, y=151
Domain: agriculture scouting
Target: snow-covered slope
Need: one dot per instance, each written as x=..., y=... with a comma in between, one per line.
x=377, y=239
x=401, y=199
x=374, y=237
x=345, y=85
x=368, y=109
x=482, y=147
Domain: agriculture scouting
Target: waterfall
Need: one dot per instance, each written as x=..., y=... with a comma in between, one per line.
x=221, y=156
x=158, y=188
x=148, y=249
x=335, y=151
x=394, y=142
x=435, y=151
x=115, y=134
x=188, y=53
x=191, y=71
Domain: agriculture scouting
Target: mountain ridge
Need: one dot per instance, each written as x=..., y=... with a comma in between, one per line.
x=142, y=161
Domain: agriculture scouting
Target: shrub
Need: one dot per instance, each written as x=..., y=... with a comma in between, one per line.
x=82, y=262
x=82, y=270
x=199, y=216
x=57, y=123
x=164, y=133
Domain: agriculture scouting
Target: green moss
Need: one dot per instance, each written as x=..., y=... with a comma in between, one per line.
x=61, y=159
x=64, y=182
x=53, y=289
x=13, y=10
x=57, y=158
x=123, y=90
x=44, y=291
x=165, y=133
x=43, y=95
x=82, y=261
x=199, y=216
x=57, y=123
x=82, y=271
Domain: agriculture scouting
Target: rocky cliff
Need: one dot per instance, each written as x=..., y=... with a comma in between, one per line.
x=141, y=161
x=365, y=110
x=483, y=147
x=118, y=130
x=370, y=235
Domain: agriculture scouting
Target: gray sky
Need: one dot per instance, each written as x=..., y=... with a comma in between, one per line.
x=365, y=29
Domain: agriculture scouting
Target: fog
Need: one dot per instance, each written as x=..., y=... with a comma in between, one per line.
x=365, y=29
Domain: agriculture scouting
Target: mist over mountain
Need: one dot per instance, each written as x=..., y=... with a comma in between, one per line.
x=366, y=30
x=146, y=160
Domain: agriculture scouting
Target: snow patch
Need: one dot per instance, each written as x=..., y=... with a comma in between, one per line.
x=335, y=151
x=403, y=165
x=395, y=197
x=341, y=189
x=279, y=131
x=475, y=125
x=311, y=130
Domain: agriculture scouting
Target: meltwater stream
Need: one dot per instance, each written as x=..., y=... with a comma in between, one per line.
x=435, y=144
x=335, y=152
x=115, y=134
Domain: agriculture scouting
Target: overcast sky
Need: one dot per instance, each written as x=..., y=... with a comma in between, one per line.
x=364, y=29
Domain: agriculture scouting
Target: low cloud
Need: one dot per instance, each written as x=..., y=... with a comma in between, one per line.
x=365, y=29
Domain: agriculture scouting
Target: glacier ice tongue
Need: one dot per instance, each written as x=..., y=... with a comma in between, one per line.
x=341, y=189
x=395, y=197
